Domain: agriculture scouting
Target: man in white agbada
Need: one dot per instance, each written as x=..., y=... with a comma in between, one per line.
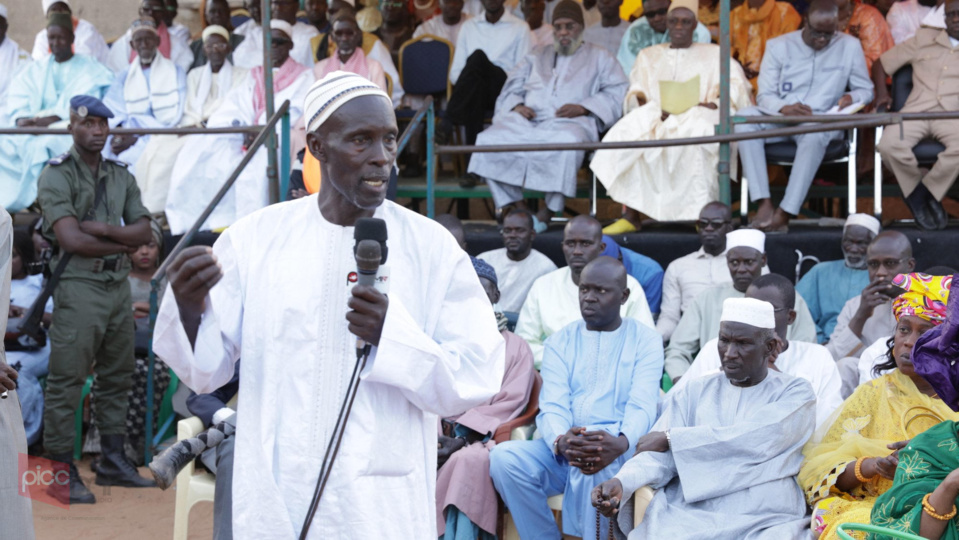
x=436, y=348
x=173, y=46
x=563, y=92
x=447, y=24
x=39, y=96
x=249, y=53
x=673, y=183
x=87, y=40
x=724, y=454
x=12, y=59
x=206, y=88
x=553, y=301
x=199, y=173
x=809, y=361
x=745, y=259
x=151, y=93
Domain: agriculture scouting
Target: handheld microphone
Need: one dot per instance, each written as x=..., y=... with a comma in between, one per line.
x=370, y=252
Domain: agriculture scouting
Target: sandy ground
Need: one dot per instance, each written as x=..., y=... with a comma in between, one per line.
x=119, y=514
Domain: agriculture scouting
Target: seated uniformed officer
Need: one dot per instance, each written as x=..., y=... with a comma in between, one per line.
x=83, y=198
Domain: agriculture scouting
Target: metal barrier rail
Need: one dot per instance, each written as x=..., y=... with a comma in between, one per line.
x=264, y=132
x=427, y=110
x=138, y=131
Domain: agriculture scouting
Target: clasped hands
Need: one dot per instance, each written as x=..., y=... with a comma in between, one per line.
x=590, y=451
x=801, y=109
x=570, y=110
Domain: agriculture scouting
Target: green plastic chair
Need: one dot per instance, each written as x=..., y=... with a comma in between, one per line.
x=845, y=528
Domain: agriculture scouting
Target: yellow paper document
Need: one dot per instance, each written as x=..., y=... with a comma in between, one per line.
x=678, y=97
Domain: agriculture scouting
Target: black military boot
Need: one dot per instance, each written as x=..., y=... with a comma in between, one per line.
x=78, y=492
x=114, y=469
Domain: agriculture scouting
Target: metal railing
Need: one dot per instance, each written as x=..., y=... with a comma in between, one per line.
x=427, y=112
x=265, y=132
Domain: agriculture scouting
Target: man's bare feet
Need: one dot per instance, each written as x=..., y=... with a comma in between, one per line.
x=779, y=222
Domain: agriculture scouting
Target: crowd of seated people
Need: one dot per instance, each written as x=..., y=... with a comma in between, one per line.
x=545, y=72
x=761, y=367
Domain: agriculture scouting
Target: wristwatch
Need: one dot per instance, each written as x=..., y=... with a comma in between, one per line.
x=669, y=442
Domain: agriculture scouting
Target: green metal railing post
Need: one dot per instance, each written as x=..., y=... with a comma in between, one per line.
x=725, y=127
x=271, y=173
x=284, y=156
x=431, y=162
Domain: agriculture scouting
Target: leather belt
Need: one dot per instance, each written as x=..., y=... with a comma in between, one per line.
x=101, y=265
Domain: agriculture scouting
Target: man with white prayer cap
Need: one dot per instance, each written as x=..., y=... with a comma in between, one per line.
x=436, y=349
x=745, y=257
x=12, y=58
x=828, y=285
x=87, y=39
x=198, y=174
x=174, y=44
x=810, y=361
x=701, y=456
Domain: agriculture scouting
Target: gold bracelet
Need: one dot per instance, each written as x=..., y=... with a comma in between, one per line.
x=932, y=511
x=858, y=471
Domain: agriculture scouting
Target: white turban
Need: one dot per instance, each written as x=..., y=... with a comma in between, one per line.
x=216, y=30
x=47, y=3
x=282, y=26
x=746, y=238
x=749, y=311
x=331, y=92
x=3, y=11
x=863, y=220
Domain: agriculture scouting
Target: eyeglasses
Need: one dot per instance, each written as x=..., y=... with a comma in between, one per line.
x=280, y=42
x=890, y=264
x=216, y=45
x=705, y=224
x=656, y=13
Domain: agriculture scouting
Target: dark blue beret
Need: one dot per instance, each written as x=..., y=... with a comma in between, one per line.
x=84, y=106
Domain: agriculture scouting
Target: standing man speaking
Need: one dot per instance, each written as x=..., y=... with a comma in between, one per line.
x=275, y=289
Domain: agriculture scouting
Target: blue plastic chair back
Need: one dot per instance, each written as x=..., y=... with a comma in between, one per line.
x=425, y=65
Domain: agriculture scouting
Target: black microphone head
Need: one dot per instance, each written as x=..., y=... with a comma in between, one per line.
x=368, y=255
x=371, y=229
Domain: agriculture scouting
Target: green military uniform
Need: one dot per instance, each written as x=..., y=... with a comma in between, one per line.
x=93, y=319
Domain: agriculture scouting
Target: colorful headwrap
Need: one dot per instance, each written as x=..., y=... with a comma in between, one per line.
x=925, y=296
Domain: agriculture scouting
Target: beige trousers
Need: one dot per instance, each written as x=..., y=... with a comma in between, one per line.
x=897, y=154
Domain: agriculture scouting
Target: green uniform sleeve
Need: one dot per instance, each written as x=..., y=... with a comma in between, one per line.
x=133, y=208
x=55, y=195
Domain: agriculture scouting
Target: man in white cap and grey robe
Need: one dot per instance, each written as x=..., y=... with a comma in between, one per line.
x=828, y=285
x=724, y=454
x=810, y=361
x=275, y=288
x=87, y=39
x=745, y=257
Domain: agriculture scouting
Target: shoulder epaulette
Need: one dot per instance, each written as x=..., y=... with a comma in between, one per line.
x=59, y=159
x=117, y=162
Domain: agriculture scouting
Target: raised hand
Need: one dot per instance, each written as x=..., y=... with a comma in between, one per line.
x=192, y=274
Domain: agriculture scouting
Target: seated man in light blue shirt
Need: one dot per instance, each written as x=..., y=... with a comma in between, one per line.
x=803, y=73
x=600, y=390
x=828, y=285
x=650, y=29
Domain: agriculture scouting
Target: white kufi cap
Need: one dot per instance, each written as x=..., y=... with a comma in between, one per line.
x=3, y=11
x=746, y=238
x=749, y=311
x=331, y=92
x=863, y=220
x=282, y=26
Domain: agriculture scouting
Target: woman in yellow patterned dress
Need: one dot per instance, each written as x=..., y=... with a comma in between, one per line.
x=852, y=460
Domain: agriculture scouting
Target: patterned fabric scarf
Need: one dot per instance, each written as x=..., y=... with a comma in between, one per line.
x=287, y=73
x=935, y=357
x=925, y=296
